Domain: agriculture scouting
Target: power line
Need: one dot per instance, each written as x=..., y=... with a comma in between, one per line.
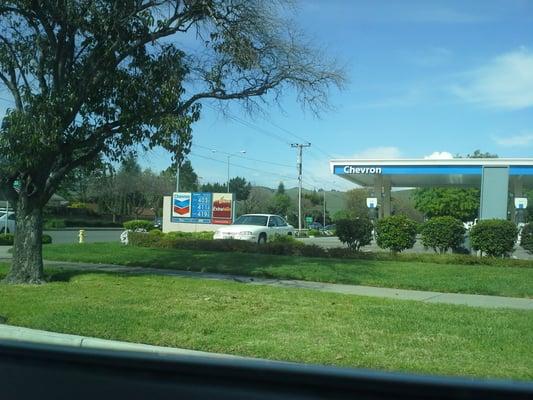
x=244, y=157
x=252, y=126
x=298, y=137
x=244, y=167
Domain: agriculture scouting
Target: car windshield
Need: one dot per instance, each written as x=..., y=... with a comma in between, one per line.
x=260, y=220
x=170, y=138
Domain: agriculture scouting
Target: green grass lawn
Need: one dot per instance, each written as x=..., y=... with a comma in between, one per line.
x=276, y=323
x=478, y=279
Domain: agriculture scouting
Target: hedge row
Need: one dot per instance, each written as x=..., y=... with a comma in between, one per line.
x=6, y=239
x=57, y=223
x=292, y=247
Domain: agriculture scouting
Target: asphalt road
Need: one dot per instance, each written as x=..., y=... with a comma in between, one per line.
x=91, y=235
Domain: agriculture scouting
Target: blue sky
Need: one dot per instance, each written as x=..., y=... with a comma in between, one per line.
x=424, y=77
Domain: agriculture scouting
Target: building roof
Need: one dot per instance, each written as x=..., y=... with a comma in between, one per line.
x=464, y=172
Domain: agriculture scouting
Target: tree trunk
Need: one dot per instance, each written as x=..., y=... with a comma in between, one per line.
x=27, y=266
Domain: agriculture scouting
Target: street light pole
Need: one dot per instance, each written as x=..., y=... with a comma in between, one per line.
x=229, y=155
x=227, y=184
x=177, y=175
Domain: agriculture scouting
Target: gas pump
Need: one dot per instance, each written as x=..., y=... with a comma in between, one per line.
x=520, y=203
x=372, y=204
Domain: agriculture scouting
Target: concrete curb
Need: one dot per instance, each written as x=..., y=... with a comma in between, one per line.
x=20, y=334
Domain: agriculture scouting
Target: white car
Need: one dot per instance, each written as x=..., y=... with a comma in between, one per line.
x=7, y=222
x=258, y=228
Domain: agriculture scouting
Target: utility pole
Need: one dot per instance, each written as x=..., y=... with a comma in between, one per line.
x=300, y=146
x=229, y=155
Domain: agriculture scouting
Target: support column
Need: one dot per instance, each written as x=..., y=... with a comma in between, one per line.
x=494, y=193
x=517, y=189
x=378, y=186
x=386, y=196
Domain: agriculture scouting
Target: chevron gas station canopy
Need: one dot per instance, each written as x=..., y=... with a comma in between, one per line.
x=496, y=177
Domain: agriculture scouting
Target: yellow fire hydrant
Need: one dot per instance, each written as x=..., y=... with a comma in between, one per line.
x=81, y=236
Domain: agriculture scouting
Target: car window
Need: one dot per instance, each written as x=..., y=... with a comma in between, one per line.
x=260, y=220
x=272, y=222
x=11, y=217
x=280, y=221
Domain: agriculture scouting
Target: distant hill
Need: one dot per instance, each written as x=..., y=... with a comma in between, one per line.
x=336, y=200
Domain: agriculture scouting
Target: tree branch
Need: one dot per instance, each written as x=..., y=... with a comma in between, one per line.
x=13, y=89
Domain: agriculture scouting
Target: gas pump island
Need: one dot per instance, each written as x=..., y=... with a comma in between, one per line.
x=499, y=180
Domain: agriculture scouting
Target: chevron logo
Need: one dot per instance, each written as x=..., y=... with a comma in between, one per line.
x=181, y=205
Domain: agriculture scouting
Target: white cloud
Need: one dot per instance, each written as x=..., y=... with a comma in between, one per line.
x=505, y=82
x=525, y=139
x=439, y=155
x=382, y=152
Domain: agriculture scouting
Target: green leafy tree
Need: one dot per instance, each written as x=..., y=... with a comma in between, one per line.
x=240, y=187
x=459, y=203
x=356, y=203
x=481, y=154
x=94, y=79
x=526, y=238
x=188, y=177
x=214, y=187
x=257, y=202
x=281, y=188
x=280, y=204
x=313, y=197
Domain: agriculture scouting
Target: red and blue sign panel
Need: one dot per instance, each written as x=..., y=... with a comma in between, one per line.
x=202, y=208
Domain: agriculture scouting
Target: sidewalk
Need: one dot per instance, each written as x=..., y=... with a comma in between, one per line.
x=472, y=300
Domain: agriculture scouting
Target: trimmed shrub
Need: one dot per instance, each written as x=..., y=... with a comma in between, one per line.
x=156, y=232
x=395, y=233
x=190, y=235
x=47, y=239
x=355, y=233
x=139, y=224
x=54, y=223
x=313, y=232
x=312, y=250
x=91, y=223
x=494, y=237
x=281, y=245
x=526, y=240
x=442, y=234
x=6, y=239
x=283, y=239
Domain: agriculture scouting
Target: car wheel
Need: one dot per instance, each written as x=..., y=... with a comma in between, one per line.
x=3, y=230
x=262, y=238
x=290, y=233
